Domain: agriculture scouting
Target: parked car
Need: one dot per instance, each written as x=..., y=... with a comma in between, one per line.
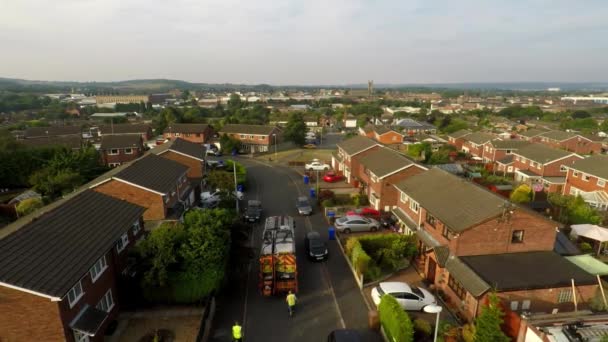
x=212, y=152
x=315, y=247
x=409, y=297
x=356, y=223
x=332, y=177
x=215, y=164
x=366, y=212
x=388, y=222
x=316, y=165
x=344, y=335
x=303, y=206
x=216, y=195
x=253, y=212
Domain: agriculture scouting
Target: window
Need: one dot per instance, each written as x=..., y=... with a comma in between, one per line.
x=430, y=219
x=414, y=206
x=242, y=136
x=601, y=182
x=122, y=242
x=251, y=137
x=562, y=169
x=177, y=134
x=198, y=135
x=508, y=151
x=517, y=236
x=113, y=164
x=586, y=178
x=188, y=134
x=107, y=302
x=135, y=228
x=446, y=232
x=457, y=287
x=525, y=305
x=564, y=296
x=98, y=268
x=80, y=337
x=403, y=198
x=574, y=174
x=74, y=294
x=113, y=151
x=128, y=151
x=514, y=305
x=261, y=137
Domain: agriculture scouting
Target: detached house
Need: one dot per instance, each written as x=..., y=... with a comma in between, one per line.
x=367, y=131
x=587, y=178
x=253, y=138
x=346, y=159
x=60, y=268
x=571, y=142
x=196, y=133
x=379, y=171
x=387, y=136
x=472, y=242
x=538, y=163
x=456, y=139
x=118, y=149
x=158, y=184
x=474, y=143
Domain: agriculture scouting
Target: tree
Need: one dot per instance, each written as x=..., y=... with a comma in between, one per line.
x=229, y=144
x=455, y=125
x=219, y=179
x=487, y=325
x=574, y=210
x=234, y=102
x=28, y=206
x=439, y=157
x=295, y=130
x=522, y=194
x=54, y=183
x=159, y=250
x=580, y=114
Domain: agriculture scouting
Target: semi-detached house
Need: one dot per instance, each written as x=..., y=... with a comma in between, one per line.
x=499, y=149
x=588, y=178
x=60, y=268
x=196, y=133
x=456, y=139
x=346, y=159
x=253, y=138
x=570, y=142
x=116, y=150
x=472, y=242
x=387, y=136
x=474, y=143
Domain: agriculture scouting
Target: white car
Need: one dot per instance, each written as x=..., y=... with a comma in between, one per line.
x=316, y=165
x=216, y=195
x=410, y=298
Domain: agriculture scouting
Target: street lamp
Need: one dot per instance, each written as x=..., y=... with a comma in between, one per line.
x=275, y=145
x=436, y=309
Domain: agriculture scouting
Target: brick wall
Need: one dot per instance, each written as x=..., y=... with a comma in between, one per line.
x=384, y=188
x=405, y=206
x=195, y=166
x=355, y=164
x=553, y=169
x=474, y=149
x=151, y=201
x=456, y=142
x=121, y=157
x=581, y=184
x=582, y=146
x=389, y=138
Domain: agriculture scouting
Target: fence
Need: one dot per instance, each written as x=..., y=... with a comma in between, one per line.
x=204, y=331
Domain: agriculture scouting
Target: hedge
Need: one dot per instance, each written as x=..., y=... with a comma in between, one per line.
x=395, y=321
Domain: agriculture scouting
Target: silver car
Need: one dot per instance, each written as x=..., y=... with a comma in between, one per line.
x=356, y=223
x=303, y=205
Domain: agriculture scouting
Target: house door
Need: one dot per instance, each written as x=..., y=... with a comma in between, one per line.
x=430, y=275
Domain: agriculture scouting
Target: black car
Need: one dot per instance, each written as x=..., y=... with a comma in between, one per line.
x=253, y=212
x=344, y=335
x=315, y=247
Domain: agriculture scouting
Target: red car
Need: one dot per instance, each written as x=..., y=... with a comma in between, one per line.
x=332, y=177
x=367, y=212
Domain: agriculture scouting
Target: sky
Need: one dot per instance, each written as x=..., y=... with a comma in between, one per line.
x=307, y=42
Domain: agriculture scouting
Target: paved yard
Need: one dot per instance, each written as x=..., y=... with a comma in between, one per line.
x=183, y=322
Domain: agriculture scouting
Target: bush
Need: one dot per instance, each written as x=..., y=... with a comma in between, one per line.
x=468, y=333
x=326, y=195
x=422, y=329
x=359, y=200
x=597, y=302
x=395, y=321
x=585, y=247
x=28, y=206
x=327, y=203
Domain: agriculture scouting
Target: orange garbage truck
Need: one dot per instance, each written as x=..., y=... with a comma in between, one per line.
x=278, y=268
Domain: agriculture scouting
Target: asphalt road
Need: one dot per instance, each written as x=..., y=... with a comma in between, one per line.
x=328, y=296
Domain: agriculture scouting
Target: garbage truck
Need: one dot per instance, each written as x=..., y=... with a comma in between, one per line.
x=278, y=268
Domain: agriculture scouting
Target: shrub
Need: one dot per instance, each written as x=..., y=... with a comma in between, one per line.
x=359, y=200
x=585, y=247
x=597, y=302
x=422, y=329
x=326, y=195
x=395, y=321
x=360, y=259
x=468, y=333
x=28, y=206
x=327, y=203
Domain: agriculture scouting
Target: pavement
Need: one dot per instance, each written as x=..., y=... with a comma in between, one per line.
x=328, y=296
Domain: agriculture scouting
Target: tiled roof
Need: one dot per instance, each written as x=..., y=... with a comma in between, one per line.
x=510, y=144
x=247, y=129
x=558, y=135
x=186, y=128
x=124, y=129
x=385, y=161
x=51, y=252
x=479, y=137
x=532, y=132
x=356, y=144
x=596, y=165
x=32, y=132
x=120, y=141
x=454, y=201
x=506, y=160
x=154, y=173
x=182, y=146
x=527, y=270
x=383, y=129
x=542, y=153
x=459, y=134
x=466, y=276
x=69, y=141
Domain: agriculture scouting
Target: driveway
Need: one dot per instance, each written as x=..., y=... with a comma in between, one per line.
x=328, y=296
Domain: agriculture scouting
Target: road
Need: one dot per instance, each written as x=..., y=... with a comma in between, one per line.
x=328, y=298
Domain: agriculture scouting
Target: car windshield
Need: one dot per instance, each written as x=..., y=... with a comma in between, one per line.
x=417, y=292
x=342, y=219
x=314, y=243
x=303, y=204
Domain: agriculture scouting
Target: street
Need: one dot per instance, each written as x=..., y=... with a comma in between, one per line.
x=328, y=296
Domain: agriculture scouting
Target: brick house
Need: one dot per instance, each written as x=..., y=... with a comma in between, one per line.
x=379, y=170
x=367, y=131
x=116, y=150
x=52, y=131
x=253, y=138
x=472, y=241
x=499, y=149
x=346, y=159
x=158, y=184
x=456, y=139
x=196, y=133
x=587, y=178
x=188, y=154
x=474, y=143
x=538, y=163
x=387, y=136
x=72, y=142
x=61, y=268
x=571, y=142
x=143, y=130
x=531, y=135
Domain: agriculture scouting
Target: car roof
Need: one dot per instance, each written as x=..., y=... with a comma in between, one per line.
x=302, y=198
x=395, y=286
x=313, y=235
x=354, y=217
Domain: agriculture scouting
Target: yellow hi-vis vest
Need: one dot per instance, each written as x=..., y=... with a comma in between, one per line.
x=236, y=332
x=291, y=299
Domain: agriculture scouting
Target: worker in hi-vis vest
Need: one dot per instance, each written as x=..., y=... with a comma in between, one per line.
x=237, y=332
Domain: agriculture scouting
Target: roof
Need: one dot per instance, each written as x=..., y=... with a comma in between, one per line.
x=356, y=144
x=124, y=129
x=596, y=165
x=510, y=144
x=368, y=128
x=52, y=251
x=383, y=130
x=590, y=231
x=479, y=137
x=443, y=254
x=558, y=135
x=589, y=264
x=384, y=162
x=248, y=129
x=69, y=141
x=506, y=160
x=32, y=132
x=527, y=270
x=154, y=173
x=532, y=132
x=542, y=153
x=181, y=146
x=460, y=133
x=564, y=246
x=186, y=128
x=413, y=124
x=466, y=276
x=455, y=201
x=120, y=141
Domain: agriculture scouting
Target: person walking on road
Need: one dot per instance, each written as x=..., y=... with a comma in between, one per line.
x=237, y=332
x=291, y=302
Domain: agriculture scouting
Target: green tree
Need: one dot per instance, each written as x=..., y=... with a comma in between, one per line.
x=487, y=325
x=395, y=321
x=28, y=206
x=234, y=102
x=295, y=130
x=455, y=125
x=580, y=114
x=159, y=252
x=229, y=144
x=574, y=210
x=219, y=179
x=54, y=183
x=439, y=157
x=419, y=150
x=522, y=194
